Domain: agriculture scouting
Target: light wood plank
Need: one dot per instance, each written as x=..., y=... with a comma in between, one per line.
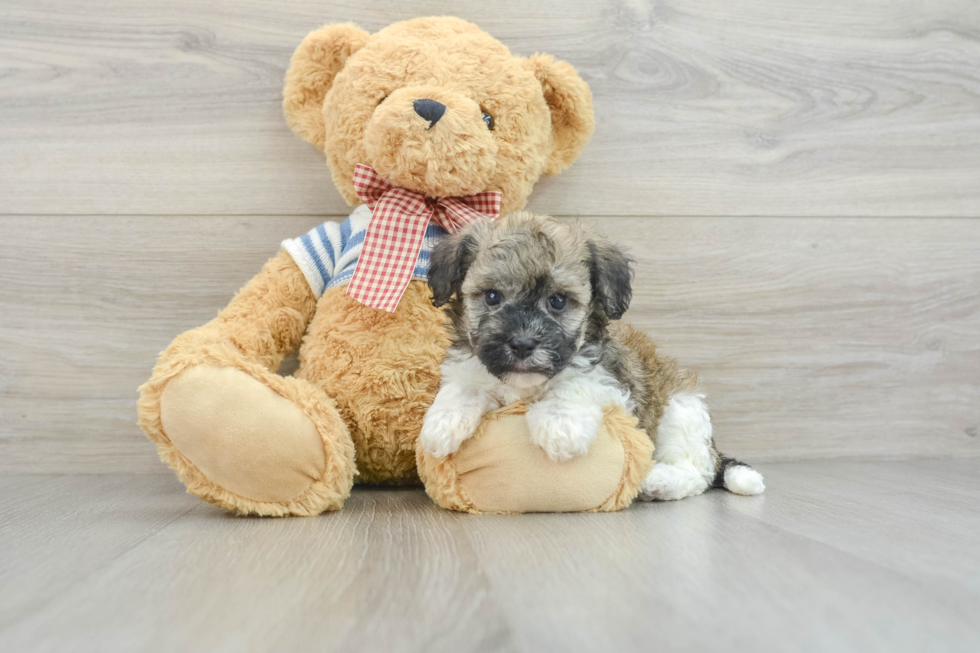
x=814, y=337
x=391, y=572
x=926, y=510
x=689, y=575
x=88, y=303
x=58, y=531
x=818, y=563
x=819, y=338
x=705, y=107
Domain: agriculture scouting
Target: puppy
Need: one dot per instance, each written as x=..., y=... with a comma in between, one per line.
x=533, y=304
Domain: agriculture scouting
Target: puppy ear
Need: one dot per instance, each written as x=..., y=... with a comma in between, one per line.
x=612, y=278
x=570, y=101
x=451, y=258
x=316, y=62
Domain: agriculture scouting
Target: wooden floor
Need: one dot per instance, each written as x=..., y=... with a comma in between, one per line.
x=836, y=556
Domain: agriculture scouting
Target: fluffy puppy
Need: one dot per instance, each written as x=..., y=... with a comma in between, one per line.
x=533, y=305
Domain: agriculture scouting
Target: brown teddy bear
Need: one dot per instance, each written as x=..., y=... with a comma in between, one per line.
x=432, y=114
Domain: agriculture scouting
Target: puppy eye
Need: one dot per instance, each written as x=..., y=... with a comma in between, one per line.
x=488, y=119
x=492, y=297
x=557, y=302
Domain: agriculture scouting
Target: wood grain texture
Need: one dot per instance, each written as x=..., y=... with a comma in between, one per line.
x=57, y=531
x=394, y=569
x=687, y=575
x=711, y=107
x=814, y=564
x=926, y=510
x=814, y=337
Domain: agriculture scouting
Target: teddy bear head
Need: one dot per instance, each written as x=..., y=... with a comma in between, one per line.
x=438, y=106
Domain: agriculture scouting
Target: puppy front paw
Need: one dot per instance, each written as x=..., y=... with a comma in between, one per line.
x=563, y=432
x=443, y=431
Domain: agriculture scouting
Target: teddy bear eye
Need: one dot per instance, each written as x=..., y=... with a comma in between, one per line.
x=488, y=119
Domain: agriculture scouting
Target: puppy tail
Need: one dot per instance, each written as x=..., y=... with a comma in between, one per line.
x=737, y=477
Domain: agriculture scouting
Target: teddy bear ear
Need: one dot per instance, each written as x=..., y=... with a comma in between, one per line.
x=570, y=100
x=316, y=62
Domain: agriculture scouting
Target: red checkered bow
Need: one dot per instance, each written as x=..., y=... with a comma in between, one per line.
x=394, y=235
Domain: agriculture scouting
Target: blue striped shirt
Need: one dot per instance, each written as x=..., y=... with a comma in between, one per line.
x=328, y=254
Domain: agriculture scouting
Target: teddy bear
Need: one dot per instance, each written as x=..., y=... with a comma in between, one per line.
x=426, y=124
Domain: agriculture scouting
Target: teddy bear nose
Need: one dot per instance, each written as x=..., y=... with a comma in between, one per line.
x=430, y=110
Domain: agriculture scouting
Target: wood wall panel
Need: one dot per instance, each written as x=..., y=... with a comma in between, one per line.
x=814, y=337
x=705, y=107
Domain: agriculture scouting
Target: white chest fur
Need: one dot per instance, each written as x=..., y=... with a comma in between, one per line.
x=564, y=416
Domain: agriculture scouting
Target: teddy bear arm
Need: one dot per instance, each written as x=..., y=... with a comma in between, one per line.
x=606, y=478
x=265, y=321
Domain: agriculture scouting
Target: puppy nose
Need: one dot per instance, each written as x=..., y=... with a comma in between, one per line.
x=430, y=110
x=523, y=347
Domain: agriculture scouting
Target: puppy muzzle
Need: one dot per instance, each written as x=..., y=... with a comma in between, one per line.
x=521, y=341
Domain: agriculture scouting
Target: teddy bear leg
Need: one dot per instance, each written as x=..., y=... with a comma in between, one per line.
x=237, y=434
x=250, y=441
